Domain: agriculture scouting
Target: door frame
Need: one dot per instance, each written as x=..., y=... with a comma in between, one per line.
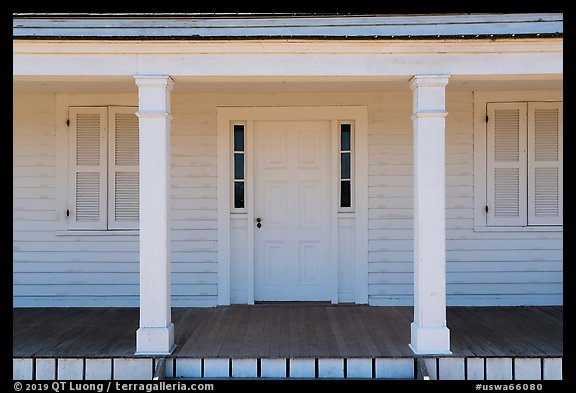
x=247, y=115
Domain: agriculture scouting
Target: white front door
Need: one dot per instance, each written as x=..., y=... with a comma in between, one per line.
x=292, y=200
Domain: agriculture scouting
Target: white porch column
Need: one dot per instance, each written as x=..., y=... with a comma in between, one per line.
x=429, y=334
x=156, y=333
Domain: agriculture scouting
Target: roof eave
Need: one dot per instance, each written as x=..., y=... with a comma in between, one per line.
x=288, y=37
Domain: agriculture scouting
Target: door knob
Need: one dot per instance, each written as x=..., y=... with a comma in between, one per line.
x=259, y=222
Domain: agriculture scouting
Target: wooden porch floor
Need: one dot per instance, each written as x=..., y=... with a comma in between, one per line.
x=287, y=330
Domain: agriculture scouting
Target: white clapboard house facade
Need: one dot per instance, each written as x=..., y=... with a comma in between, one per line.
x=203, y=160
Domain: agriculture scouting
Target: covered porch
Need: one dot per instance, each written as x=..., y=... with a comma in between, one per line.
x=152, y=94
x=289, y=340
x=264, y=340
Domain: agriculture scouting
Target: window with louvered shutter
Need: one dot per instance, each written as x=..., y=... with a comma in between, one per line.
x=104, y=184
x=524, y=159
x=88, y=156
x=123, y=169
x=506, y=164
x=545, y=163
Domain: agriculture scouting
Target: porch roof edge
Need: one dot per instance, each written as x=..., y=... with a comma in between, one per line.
x=283, y=26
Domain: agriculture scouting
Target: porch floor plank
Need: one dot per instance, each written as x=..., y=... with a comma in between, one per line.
x=294, y=329
x=273, y=331
x=110, y=339
x=325, y=340
x=300, y=342
x=370, y=348
x=193, y=340
x=388, y=330
x=521, y=341
x=264, y=342
x=185, y=317
x=253, y=338
x=466, y=344
x=284, y=338
x=288, y=330
x=234, y=337
x=211, y=343
x=338, y=324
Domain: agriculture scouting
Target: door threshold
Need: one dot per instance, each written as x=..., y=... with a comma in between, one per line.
x=292, y=303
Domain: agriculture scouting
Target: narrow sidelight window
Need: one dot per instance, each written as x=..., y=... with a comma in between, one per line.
x=239, y=168
x=345, y=165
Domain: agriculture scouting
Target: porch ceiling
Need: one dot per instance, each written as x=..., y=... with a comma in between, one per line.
x=123, y=84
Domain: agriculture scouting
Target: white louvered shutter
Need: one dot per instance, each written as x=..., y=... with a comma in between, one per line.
x=506, y=164
x=123, y=172
x=545, y=163
x=87, y=162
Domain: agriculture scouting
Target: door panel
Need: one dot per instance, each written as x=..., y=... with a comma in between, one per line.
x=274, y=271
x=292, y=197
x=310, y=267
x=276, y=204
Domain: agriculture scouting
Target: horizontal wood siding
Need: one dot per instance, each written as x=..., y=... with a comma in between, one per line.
x=86, y=270
x=483, y=268
x=193, y=203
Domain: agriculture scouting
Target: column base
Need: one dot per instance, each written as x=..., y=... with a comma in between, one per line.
x=430, y=340
x=153, y=341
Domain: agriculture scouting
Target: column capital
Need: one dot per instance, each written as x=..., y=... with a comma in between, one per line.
x=429, y=95
x=428, y=81
x=153, y=95
x=154, y=80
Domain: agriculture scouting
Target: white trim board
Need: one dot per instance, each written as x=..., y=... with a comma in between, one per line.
x=225, y=115
x=293, y=59
x=28, y=46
